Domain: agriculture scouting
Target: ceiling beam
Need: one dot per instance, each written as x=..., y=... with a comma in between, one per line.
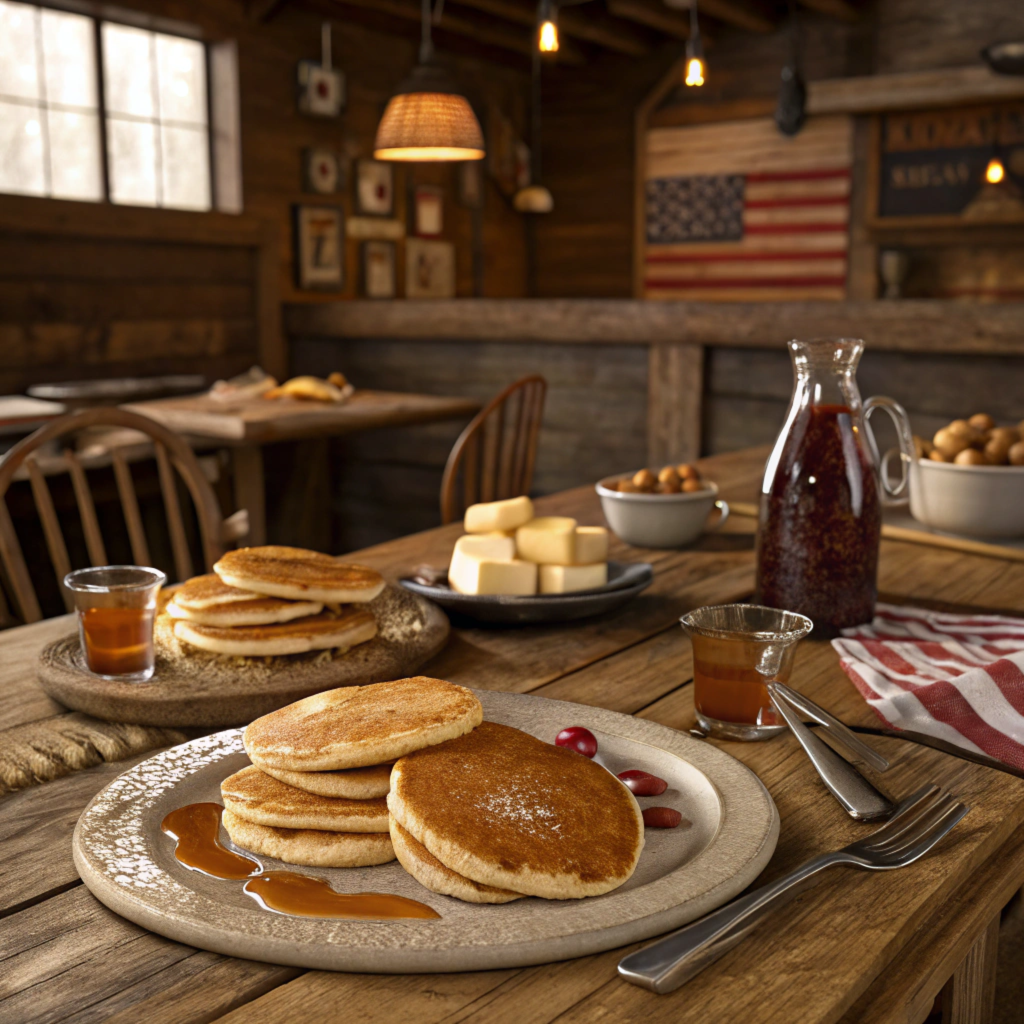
x=263, y=10
x=483, y=31
x=593, y=27
x=843, y=10
x=654, y=14
x=749, y=15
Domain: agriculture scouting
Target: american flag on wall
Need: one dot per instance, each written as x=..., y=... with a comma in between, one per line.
x=739, y=212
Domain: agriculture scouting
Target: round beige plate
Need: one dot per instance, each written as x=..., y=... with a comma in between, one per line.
x=129, y=864
x=196, y=688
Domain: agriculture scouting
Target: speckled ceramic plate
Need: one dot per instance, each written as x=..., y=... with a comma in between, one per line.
x=625, y=581
x=129, y=864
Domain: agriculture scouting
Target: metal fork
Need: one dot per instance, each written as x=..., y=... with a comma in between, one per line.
x=916, y=826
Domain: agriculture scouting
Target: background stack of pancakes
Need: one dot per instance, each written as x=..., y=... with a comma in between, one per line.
x=276, y=600
x=314, y=794
x=473, y=809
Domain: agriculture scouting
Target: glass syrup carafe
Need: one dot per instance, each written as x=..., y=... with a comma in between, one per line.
x=821, y=501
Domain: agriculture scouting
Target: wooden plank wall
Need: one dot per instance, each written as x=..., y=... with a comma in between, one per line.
x=88, y=291
x=387, y=483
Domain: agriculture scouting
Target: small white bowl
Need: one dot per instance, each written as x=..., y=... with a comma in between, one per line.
x=660, y=520
x=980, y=501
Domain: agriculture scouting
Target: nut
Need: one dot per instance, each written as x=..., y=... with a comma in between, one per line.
x=669, y=476
x=644, y=480
x=687, y=472
x=949, y=442
x=628, y=487
x=997, y=450
x=981, y=421
x=971, y=457
x=691, y=485
x=1016, y=454
x=936, y=456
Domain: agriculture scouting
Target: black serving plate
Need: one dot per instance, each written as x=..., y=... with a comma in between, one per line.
x=625, y=581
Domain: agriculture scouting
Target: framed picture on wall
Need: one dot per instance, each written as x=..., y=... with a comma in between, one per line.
x=428, y=211
x=429, y=269
x=319, y=247
x=379, y=281
x=321, y=171
x=375, y=188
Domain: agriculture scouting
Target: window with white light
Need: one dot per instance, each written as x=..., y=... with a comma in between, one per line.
x=93, y=110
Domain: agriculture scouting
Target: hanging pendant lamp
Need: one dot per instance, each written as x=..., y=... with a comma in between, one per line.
x=535, y=198
x=428, y=118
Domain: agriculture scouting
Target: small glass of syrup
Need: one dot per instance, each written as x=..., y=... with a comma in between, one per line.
x=116, y=607
x=737, y=648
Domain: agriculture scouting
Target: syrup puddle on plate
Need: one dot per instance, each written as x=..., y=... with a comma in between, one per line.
x=196, y=829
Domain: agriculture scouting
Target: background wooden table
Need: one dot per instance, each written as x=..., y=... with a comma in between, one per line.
x=858, y=947
x=245, y=425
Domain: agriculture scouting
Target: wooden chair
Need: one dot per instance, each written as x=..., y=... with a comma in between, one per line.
x=171, y=453
x=495, y=454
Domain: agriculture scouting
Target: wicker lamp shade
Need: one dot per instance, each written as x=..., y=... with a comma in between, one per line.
x=429, y=126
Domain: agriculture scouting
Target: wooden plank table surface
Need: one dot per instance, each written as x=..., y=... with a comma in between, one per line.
x=245, y=424
x=859, y=947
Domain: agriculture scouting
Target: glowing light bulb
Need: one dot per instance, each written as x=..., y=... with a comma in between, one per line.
x=995, y=172
x=547, y=41
x=694, y=71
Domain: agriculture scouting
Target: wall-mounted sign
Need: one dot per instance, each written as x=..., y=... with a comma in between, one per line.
x=932, y=163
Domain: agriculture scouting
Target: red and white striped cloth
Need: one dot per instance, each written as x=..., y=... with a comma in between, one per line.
x=959, y=678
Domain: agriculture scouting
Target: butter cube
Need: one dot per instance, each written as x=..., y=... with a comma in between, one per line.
x=487, y=565
x=591, y=545
x=548, y=540
x=564, y=579
x=489, y=516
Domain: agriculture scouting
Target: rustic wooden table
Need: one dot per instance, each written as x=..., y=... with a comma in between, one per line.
x=858, y=947
x=245, y=425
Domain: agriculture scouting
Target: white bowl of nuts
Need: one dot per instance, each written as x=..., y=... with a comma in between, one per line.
x=660, y=509
x=969, y=479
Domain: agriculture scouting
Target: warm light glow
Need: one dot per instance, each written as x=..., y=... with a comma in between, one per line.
x=427, y=153
x=694, y=71
x=548, y=40
x=995, y=172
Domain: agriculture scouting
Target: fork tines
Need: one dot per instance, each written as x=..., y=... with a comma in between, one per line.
x=919, y=822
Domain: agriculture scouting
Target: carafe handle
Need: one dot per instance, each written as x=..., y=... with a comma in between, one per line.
x=891, y=495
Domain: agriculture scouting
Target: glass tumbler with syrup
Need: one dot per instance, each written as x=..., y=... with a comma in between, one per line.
x=821, y=501
x=737, y=649
x=116, y=606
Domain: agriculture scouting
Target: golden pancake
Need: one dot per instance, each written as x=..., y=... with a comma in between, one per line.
x=314, y=633
x=352, y=783
x=433, y=875
x=506, y=810
x=298, y=574
x=257, y=611
x=207, y=592
x=256, y=797
x=309, y=847
x=376, y=723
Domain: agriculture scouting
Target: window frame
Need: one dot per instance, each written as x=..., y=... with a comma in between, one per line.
x=99, y=14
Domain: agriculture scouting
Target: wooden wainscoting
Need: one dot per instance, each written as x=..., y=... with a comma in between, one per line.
x=95, y=290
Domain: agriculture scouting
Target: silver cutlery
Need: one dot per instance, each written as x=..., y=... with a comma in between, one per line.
x=857, y=796
x=839, y=730
x=918, y=824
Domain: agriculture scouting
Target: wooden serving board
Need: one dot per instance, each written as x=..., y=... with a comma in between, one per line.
x=196, y=688
x=129, y=864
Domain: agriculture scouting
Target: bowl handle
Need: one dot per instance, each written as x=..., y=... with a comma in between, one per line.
x=723, y=509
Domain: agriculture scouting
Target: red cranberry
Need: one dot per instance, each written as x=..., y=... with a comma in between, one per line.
x=661, y=817
x=643, y=783
x=583, y=741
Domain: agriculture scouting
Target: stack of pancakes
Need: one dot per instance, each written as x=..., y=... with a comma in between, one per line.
x=314, y=794
x=274, y=600
x=476, y=810
x=497, y=815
